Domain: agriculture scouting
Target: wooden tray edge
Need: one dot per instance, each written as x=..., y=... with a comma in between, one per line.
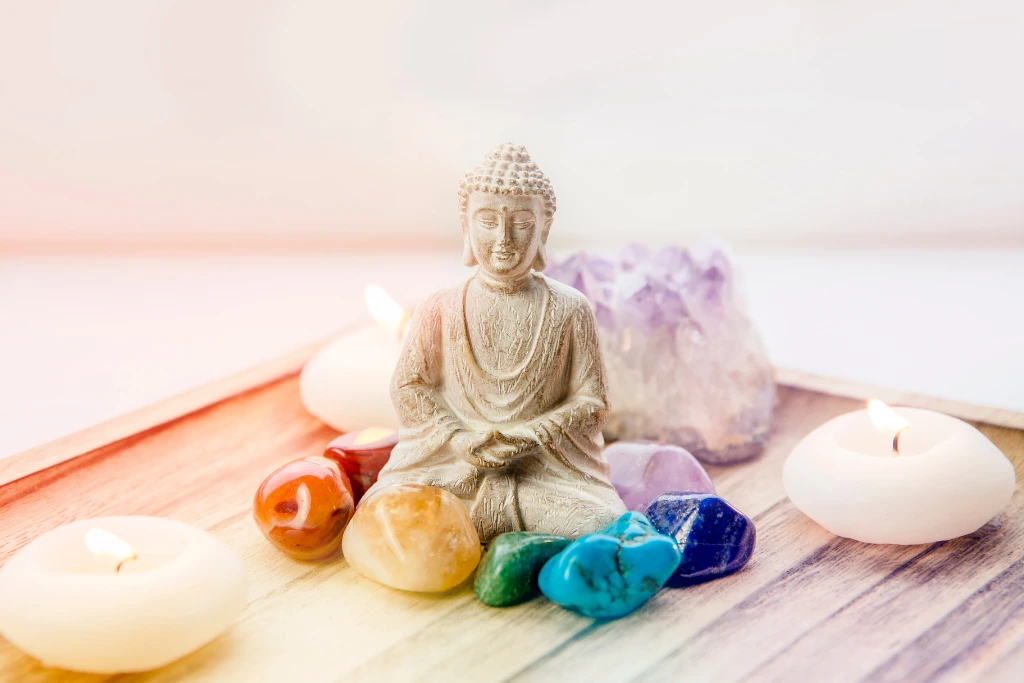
x=92, y=438
x=1000, y=417
x=89, y=439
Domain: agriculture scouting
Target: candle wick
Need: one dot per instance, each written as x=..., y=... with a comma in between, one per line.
x=896, y=440
x=127, y=559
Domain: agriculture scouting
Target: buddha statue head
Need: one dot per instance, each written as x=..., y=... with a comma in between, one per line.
x=506, y=206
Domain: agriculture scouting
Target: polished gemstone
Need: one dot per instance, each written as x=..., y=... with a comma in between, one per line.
x=716, y=539
x=412, y=537
x=611, y=573
x=643, y=470
x=362, y=454
x=508, y=572
x=303, y=507
x=685, y=363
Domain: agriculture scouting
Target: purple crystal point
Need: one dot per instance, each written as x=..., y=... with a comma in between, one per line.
x=675, y=262
x=604, y=315
x=643, y=470
x=634, y=255
x=653, y=306
x=685, y=364
x=592, y=275
x=713, y=282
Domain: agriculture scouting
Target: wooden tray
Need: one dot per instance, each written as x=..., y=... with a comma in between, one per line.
x=808, y=607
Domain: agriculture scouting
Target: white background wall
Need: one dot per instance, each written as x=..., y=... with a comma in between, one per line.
x=83, y=340
x=243, y=122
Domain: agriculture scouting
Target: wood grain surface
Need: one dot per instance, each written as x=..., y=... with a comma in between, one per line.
x=808, y=607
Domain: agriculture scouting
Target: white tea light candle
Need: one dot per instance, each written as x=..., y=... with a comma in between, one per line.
x=119, y=594
x=903, y=476
x=347, y=384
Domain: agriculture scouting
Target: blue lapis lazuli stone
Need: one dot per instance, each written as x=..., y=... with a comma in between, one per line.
x=716, y=539
x=609, y=574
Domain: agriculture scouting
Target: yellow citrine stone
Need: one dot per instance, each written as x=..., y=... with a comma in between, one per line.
x=412, y=537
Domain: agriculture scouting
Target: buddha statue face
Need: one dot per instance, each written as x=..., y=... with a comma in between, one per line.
x=504, y=232
x=507, y=205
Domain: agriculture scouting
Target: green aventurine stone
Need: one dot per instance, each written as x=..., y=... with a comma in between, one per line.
x=508, y=573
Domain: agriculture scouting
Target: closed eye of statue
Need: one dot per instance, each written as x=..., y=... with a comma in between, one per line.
x=523, y=220
x=487, y=219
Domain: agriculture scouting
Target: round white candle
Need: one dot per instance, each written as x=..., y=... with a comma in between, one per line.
x=64, y=601
x=347, y=384
x=947, y=479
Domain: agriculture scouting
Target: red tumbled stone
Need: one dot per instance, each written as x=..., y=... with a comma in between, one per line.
x=362, y=454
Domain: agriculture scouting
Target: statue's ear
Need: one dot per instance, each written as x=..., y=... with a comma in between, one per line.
x=540, y=261
x=468, y=257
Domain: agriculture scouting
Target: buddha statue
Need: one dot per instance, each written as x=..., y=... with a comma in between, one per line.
x=500, y=389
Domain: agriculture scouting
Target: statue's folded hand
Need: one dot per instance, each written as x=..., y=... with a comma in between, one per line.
x=491, y=451
x=504, y=447
x=520, y=441
x=472, y=448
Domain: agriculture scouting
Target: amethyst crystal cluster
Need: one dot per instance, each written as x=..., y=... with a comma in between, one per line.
x=685, y=364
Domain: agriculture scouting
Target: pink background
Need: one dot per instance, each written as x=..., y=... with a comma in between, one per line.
x=288, y=124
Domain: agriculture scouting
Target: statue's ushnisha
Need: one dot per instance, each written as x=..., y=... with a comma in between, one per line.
x=500, y=390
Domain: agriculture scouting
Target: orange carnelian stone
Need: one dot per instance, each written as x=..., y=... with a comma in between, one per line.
x=362, y=454
x=303, y=507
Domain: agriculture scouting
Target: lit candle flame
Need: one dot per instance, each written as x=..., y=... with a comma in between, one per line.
x=384, y=309
x=887, y=421
x=102, y=542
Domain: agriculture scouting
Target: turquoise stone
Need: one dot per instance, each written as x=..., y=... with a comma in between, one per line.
x=611, y=573
x=508, y=573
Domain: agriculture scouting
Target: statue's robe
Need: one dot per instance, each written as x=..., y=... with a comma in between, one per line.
x=556, y=394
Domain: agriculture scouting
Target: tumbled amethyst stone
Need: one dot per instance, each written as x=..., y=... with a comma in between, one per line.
x=643, y=470
x=685, y=364
x=716, y=539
